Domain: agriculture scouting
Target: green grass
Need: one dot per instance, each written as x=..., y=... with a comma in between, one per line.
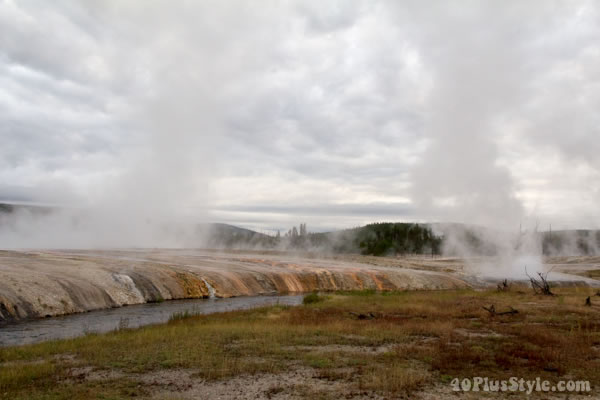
x=409, y=342
x=13, y=377
x=312, y=298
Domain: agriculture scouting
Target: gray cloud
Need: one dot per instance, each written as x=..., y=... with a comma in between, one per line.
x=290, y=108
x=376, y=209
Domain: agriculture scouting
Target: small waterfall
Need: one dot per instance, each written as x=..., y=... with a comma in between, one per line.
x=129, y=285
x=211, y=290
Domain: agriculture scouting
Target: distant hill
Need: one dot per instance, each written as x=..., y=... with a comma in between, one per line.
x=450, y=238
x=378, y=239
x=9, y=208
x=228, y=236
x=388, y=238
x=571, y=242
x=373, y=239
x=476, y=240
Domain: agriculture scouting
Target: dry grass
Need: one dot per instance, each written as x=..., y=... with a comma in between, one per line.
x=407, y=342
x=594, y=274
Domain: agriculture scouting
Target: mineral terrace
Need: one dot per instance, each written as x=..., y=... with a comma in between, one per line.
x=45, y=283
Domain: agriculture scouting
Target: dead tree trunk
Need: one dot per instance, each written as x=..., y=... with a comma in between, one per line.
x=493, y=312
x=503, y=286
x=540, y=285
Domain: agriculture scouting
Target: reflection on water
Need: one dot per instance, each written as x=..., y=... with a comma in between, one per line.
x=126, y=317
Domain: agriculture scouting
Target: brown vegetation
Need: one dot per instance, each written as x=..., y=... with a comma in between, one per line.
x=412, y=344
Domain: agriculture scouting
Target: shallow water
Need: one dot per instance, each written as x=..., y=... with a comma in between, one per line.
x=74, y=325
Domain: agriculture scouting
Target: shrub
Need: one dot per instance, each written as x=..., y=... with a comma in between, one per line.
x=312, y=298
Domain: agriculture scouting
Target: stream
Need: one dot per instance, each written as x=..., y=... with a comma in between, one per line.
x=133, y=316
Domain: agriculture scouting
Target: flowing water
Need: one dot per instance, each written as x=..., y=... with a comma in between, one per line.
x=211, y=290
x=73, y=325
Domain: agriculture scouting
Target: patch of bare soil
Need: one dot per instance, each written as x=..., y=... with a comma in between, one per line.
x=339, y=348
x=92, y=374
x=295, y=383
x=475, y=334
x=445, y=392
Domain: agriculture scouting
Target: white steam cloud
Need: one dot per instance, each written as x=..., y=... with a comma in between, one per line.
x=147, y=119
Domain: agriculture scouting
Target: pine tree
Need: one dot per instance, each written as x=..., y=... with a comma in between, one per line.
x=303, y=229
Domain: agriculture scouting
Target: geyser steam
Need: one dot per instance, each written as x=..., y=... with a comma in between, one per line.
x=339, y=114
x=478, y=75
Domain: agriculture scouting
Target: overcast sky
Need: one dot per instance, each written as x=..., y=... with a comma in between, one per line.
x=338, y=113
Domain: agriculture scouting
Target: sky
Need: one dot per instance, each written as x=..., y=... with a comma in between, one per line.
x=334, y=113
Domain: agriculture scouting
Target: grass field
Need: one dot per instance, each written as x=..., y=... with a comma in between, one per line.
x=341, y=345
x=594, y=274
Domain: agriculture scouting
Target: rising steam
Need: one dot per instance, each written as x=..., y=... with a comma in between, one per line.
x=444, y=110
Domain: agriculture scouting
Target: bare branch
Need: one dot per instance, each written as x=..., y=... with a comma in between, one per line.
x=540, y=285
x=493, y=312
